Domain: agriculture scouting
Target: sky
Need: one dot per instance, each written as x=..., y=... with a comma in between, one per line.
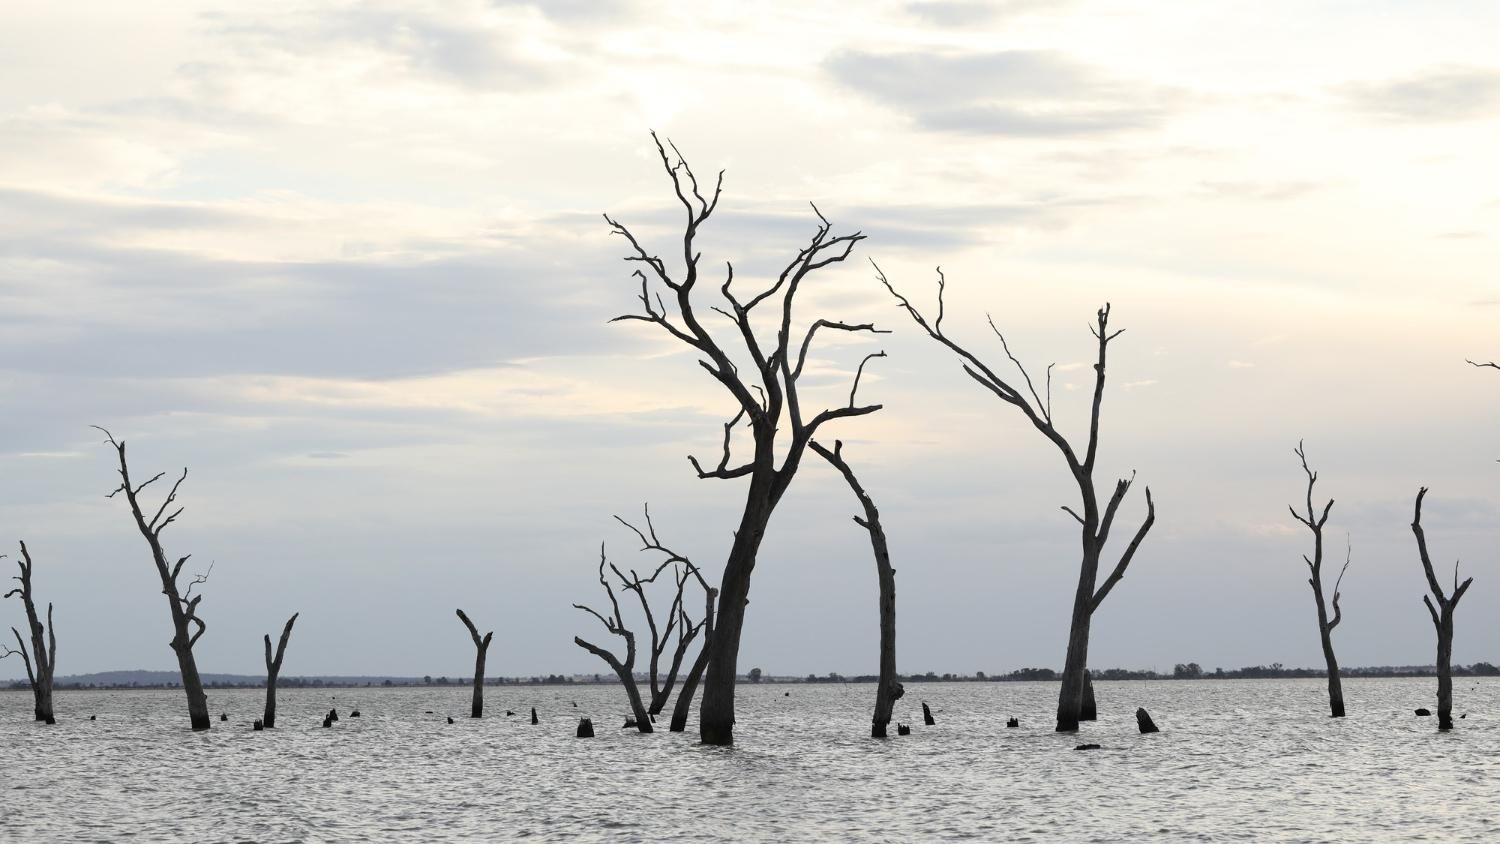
x=346, y=261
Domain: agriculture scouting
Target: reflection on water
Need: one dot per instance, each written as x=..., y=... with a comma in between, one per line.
x=1236, y=760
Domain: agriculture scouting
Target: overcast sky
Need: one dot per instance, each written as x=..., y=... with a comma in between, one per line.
x=346, y=261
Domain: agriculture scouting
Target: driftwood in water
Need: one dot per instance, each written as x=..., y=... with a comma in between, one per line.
x=1096, y=517
x=1087, y=710
x=481, y=648
x=765, y=394
x=187, y=626
x=1442, y=618
x=1144, y=722
x=1314, y=522
x=927, y=715
x=887, y=688
x=585, y=728
x=39, y=671
x=273, y=670
x=1087, y=747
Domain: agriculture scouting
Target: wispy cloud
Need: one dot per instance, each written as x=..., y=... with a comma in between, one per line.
x=1446, y=94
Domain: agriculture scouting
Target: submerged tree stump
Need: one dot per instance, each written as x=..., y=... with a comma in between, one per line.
x=1143, y=720
x=1424, y=713
x=927, y=715
x=1087, y=711
x=1013, y=723
x=1088, y=747
x=629, y=724
x=585, y=728
x=258, y=725
x=223, y=716
x=533, y=715
x=903, y=729
x=327, y=722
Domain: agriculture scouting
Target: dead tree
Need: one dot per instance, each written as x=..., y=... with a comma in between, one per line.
x=482, y=648
x=678, y=618
x=888, y=689
x=1314, y=522
x=273, y=670
x=1442, y=618
x=1095, y=521
x=187, y=626
x=39, y=671
x=615, y=624
x=765, y=395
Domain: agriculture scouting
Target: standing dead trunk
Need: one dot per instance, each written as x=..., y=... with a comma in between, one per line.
x=887, y=689
x=1095, y=523
x=690, y=684
x=615, y=624
x=182, y=602
x=273, y=671
x=1089, y=711
x=43, y=643
x=765, y=395
x=1442, y=618
x=1314, y=522
x=481, y=648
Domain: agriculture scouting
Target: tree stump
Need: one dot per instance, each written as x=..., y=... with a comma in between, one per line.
x=223, y=716
x=533, y=715
x=927, y=715
x=1087, y=711
x=450, y=719
x=333, y=714
x=1143, y=720
x=1091, y=746
x=903, y=730
x=354, y=714
x=585, y=728
x=630, y=724
x=1424, y=713
x=259, y=725
x=327, y=722
x=1013, y=723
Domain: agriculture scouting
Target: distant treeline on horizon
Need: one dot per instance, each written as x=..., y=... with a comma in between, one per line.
x=116, y=680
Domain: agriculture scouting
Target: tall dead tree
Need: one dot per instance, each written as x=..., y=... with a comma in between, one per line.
x=481, y=648
x=273, y=670
x=888, y=689
x=678, y=618
x=1314, y=522
x=41, y=657
x=187, y=626
x=1442, y=617
x=615, y=624
x=1095, y=521
x=765, y=394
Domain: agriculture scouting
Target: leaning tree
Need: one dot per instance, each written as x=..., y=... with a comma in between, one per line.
x=1442, y=617
x=888, y=688
x=41, y=660
x=481, y=649
x=1314, y=522
x=765, y=393
x=273, y=670
x=187, y=626
x=1095, y=521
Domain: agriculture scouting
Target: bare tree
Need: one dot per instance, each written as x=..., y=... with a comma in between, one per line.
x=1095, y=520
x=1314, y=522
x=273, y=670
x=1442, y=618
x=43, y=642
x=615, y=624
x=678, y=618
x=481, y=648
x=187, y=626
x=765, y=396
x=888, y=689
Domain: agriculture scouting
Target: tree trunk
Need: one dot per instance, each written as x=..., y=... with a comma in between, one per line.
x=889, y=689
x=1088, y=711
x=268, y=718
x=192, y=684
x=1445, y=670
x=273, y=671
x=716, y=714
x=695, y=673
x=1335, y=687
x=476, y=709
x=43, y=642
x=1070, y=700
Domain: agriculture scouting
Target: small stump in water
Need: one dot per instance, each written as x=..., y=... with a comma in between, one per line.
x=927, y=715
x=1088, y=746
x=533, y=715
x=333, y=714
x=1143, y=720
x=1424, y=713
x=585, y=728
x=1013, y=723
x=509, y=713
x=450, y=719
x=903, y=730
x=223, y=716
x=93, y=717
x=327, y=722
x=354, y=714
x=630, y=724
x=259, y=725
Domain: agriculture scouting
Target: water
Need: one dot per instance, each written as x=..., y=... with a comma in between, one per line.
x=1235, y=761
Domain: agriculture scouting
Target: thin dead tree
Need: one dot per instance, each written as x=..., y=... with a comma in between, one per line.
x=687, y=631
x=41, y=660
x=273, y=670
x=615, y=624
x=1095, y=521
x=187, y=626
x=1442, y=617
x=888, y=689
x=1314, y=522
x=765, y=396
x=482, y=649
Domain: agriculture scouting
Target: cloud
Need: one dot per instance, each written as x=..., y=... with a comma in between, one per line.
x=1025, y=93
x=1444, y=94
x=961, y=13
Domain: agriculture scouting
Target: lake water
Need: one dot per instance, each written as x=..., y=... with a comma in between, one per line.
x=1235, y=761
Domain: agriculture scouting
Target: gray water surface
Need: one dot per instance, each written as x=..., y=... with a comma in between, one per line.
x=1235, y=761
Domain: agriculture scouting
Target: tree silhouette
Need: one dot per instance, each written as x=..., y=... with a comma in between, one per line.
x=273, y=670
x=41, y=660
x=1314, y=522
x=1442, y=617
x=765, y=396
x=481, y=650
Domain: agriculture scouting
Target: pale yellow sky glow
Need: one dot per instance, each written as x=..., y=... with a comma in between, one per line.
x=346, y=260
